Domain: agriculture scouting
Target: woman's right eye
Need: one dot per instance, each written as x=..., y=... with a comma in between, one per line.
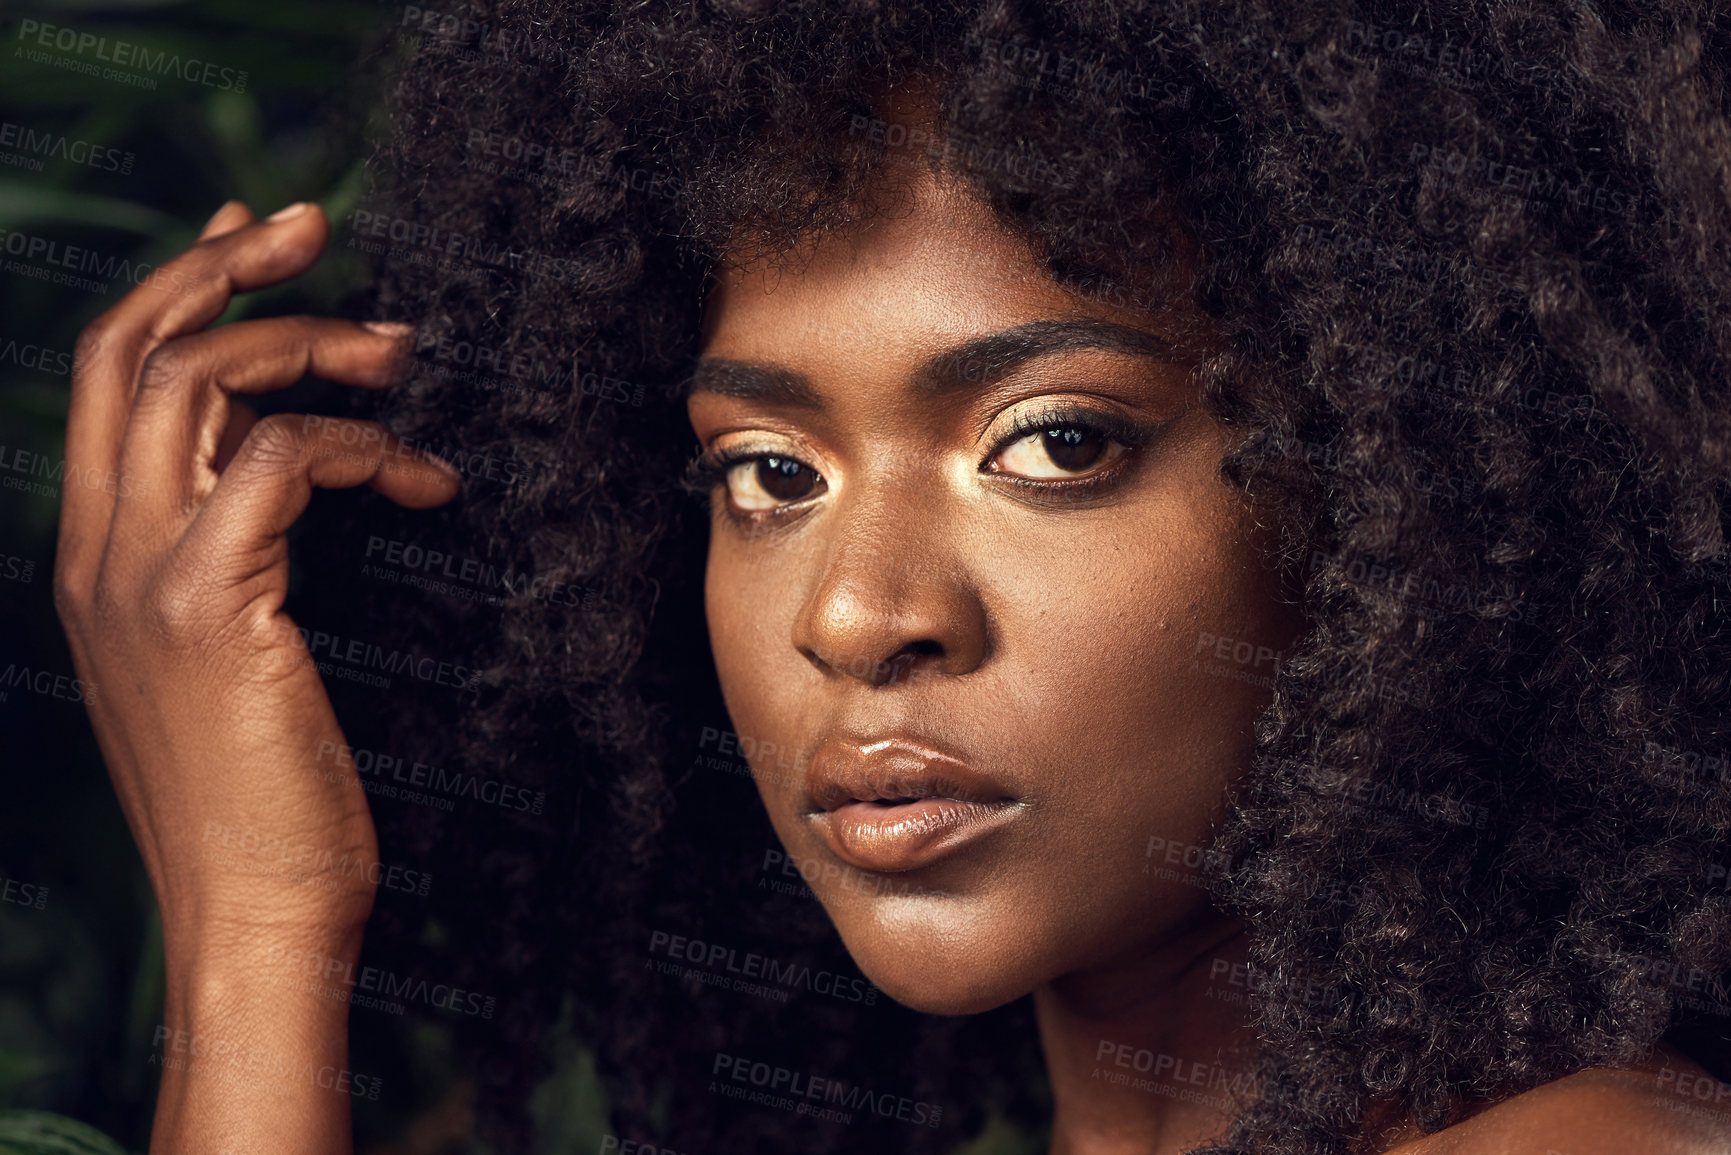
x=760, y=484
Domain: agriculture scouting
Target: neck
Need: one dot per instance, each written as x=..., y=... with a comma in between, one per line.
x=1150, y=1055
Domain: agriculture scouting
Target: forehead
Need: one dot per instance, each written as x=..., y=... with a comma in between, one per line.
x=932, y=266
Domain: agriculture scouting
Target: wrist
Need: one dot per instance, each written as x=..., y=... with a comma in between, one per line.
x=248, y=892
x=244, y=1023
x=219, y=960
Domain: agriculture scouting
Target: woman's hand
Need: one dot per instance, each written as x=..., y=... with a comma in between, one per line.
x=170, y=579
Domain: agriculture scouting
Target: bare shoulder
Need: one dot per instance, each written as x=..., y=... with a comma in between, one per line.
x=1667, y=1106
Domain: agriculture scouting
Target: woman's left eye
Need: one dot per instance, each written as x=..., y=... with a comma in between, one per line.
x=1058, y=452
x=759, y=484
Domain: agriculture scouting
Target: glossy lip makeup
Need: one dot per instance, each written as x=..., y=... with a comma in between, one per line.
x=896, y=805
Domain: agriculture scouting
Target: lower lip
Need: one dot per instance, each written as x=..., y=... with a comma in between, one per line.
x=909, y=835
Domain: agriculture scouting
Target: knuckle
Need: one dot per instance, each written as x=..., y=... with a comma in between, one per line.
x=70, y=602
x=109, y=612
x=93, y=343
x=277, y=441
x=163, y=367
x=174, y=608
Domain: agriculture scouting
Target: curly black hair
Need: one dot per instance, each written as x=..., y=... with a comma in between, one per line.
x=1468, y=265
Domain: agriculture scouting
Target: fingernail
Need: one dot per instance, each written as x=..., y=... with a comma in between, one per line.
x=444, y=467
x=217, y=213
x=396, y=330
x=290, y=212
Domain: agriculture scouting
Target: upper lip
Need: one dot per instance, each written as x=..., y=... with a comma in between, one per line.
x=893, y=769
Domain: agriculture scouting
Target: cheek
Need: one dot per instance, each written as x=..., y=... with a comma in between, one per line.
x=750, y=612
x=1141, y=728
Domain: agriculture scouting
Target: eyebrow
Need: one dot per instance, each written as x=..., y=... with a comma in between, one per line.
x=979, y=362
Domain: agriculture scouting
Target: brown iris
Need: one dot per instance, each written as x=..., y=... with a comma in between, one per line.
x=784, y=478
x=1073, y=449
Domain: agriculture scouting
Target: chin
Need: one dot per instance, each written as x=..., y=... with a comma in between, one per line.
x=929, y=955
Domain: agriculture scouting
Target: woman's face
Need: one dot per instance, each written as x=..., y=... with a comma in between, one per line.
x=993, y=680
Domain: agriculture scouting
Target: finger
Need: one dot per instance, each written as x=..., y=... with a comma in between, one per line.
x=238, y=533
x=192, y=290
x=266, y=355
x=187, y=292
x=181, y=408
x=231, y=216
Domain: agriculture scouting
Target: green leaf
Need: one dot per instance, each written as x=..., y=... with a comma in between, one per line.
x=26, y=204
x=1001, y=1137
x=16, y=1069
x=570, y=1106
x=40, y=1133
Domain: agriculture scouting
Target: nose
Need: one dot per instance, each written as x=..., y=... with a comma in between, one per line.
x=893, y=599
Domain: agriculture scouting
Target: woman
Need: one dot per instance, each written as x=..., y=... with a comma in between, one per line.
x=1204, y=503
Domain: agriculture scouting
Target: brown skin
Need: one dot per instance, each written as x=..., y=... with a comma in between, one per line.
x=170, y=579
x=1050, y=641
x=1056, y=644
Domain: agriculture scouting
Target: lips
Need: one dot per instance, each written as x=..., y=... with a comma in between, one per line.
x=896, y=805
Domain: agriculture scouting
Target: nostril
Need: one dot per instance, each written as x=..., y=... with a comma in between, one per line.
x=877, y=671
x=908, y=657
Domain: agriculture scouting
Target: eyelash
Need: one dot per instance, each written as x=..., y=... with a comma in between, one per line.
x=1059, y=415
x=710, y=469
